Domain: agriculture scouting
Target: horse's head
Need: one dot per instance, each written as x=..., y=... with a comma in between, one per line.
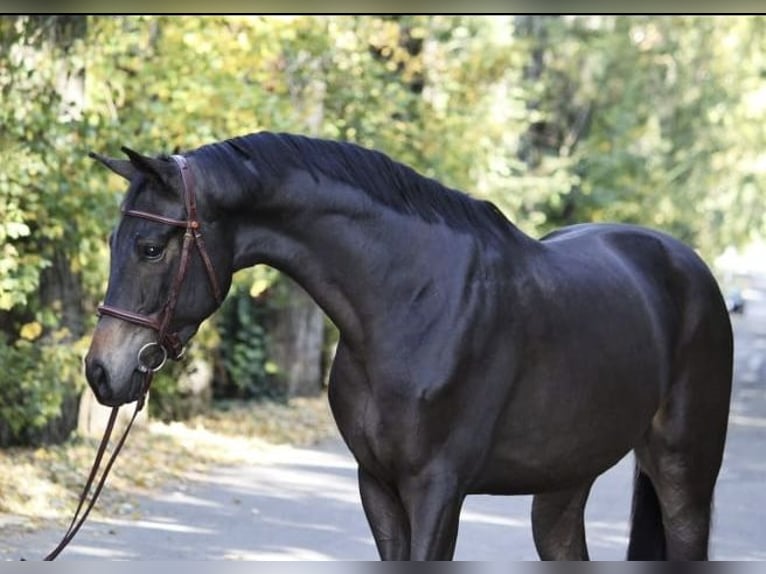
x=171, y=265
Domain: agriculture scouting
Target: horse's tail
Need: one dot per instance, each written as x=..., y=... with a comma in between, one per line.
x=647, y=535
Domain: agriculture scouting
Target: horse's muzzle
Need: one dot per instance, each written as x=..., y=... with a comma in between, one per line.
x=98, y=379
x=103, y=388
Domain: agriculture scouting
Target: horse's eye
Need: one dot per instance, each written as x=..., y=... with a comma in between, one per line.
x=151, y=251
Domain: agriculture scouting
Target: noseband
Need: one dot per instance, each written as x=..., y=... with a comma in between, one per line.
x=168, y=342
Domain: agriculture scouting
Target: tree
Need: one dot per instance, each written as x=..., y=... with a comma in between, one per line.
x=639, y=119
x=43, y=229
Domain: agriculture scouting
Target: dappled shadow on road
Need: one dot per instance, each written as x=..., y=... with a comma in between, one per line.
x=302, y=505
x=239, y=513
x=746, y=441
x=739, y=492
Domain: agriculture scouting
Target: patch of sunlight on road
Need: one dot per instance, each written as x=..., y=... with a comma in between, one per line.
x=744, y=421
x=178, y=497
x=607, y=534
x=281, y=554
x=158, y=525
x=99, y=552
x=301, y=525
x=483, y=518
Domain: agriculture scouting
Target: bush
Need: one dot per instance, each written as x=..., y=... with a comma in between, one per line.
x=247, y=371
x=183, y=390
x=40, y=384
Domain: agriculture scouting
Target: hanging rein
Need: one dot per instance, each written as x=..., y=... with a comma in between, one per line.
x=169, y=343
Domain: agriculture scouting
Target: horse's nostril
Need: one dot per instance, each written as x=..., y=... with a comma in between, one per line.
x=98, y=378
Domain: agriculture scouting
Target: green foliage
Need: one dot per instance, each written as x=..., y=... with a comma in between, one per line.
x=646, y=120
x=49, y=200
x=34, y=382
x=168, y=400
x=173, y=397
x=244, y=348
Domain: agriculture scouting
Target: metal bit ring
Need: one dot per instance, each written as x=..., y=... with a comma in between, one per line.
x=143, y=367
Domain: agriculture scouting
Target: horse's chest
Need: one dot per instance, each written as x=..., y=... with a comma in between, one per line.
x=360, y=416
x=398, y=416
x=365, y=429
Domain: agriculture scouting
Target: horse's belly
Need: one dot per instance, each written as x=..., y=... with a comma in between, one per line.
x=508, y=475
x=527, y=471
x=555, y=441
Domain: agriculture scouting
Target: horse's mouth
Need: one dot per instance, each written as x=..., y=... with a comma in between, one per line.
x=136, y=386
x=132, y=392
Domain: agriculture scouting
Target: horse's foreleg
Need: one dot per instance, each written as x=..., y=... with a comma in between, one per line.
x=433, y=504
x=558, y=524
x=386, y=516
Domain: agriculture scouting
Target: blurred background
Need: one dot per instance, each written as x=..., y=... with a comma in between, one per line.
x=653, y=120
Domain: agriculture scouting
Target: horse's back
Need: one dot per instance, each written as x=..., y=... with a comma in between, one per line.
x=671, y=271
x=665, y=263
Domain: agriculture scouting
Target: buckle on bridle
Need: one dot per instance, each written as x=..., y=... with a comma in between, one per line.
x=144, y=367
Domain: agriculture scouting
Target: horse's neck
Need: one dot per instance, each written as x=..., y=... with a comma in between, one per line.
x=355, y=257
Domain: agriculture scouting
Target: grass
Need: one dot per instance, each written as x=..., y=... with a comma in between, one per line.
x=41, y=486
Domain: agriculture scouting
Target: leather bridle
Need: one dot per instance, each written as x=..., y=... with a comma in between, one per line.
x=169, y=342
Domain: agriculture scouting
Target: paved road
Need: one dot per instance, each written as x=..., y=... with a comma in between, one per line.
x=303, y=504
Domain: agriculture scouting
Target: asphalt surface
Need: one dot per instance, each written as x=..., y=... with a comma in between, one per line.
x=303, y=504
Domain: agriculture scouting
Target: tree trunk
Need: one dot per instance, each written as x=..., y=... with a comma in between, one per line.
x=295, y=341
x=296, y=328
x=93, y=417
x=61, y=288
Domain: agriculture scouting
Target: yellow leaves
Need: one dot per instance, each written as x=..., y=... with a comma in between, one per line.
x=26, y=490
x=31, y=331
x=419, y=32
x=260, y=280
x=14, y=230
x=44, y=482
x=243, y=41
x=6, y=300
x=260, y=284
x=300, y=422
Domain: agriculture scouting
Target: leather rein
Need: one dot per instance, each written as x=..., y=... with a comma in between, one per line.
x=168, y=342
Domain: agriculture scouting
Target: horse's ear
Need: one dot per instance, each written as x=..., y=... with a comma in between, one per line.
x=161, y=169
x=121, y=167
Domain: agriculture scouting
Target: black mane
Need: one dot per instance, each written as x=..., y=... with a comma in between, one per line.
x=384, y=180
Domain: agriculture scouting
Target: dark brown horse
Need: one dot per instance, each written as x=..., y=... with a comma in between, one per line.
x=472, y=359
